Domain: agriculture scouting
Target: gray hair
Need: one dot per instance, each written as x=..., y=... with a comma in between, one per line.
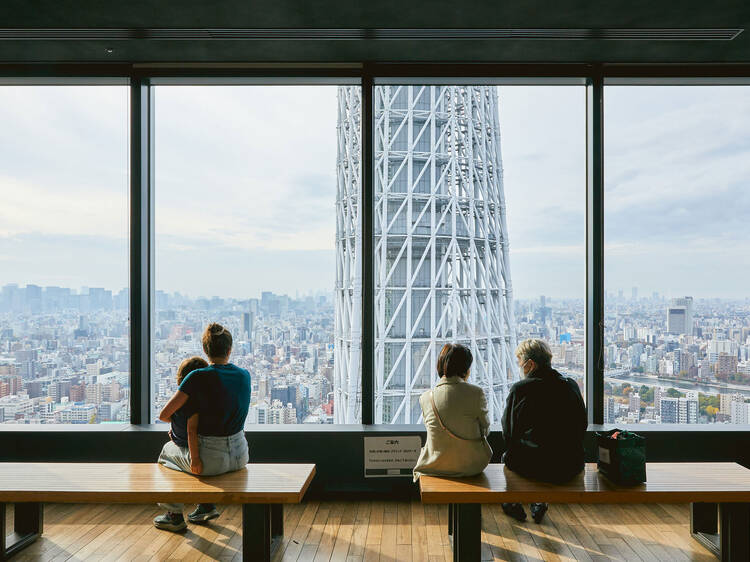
x=536, y=350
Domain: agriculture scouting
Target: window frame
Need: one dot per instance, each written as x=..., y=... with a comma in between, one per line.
x=141, y=77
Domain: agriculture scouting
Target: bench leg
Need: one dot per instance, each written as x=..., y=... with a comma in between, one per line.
x=256, y=532
x=262, y=530
x=704, y=525
x=734, y=531
x=28, y=524
x=277, y=520
x=467, y=532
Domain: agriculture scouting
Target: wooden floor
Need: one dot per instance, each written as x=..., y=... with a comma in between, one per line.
x=365, y=531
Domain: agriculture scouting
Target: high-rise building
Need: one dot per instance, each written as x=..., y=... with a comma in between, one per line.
x=248, y=320
x=442, y=272
x=635, y=404
x=688, y=408
x=727, y=364
x=740, y=412
x=609, y=410
x=659, y=392
x=669, y=410
x=680, y=316
x=726, y=400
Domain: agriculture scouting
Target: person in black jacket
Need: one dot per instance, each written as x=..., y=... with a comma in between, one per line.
x=544, y=424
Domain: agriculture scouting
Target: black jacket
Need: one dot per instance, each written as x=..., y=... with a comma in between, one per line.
x=544, y=424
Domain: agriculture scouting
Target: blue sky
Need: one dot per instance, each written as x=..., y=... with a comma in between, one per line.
x=246, y=188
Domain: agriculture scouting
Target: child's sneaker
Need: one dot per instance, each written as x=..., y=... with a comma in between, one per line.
x=174, y=522
x=515, y=510
x=204, y=512
x=537, y=511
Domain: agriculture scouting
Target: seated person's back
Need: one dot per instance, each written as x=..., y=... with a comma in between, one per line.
x=223, y=395
x=545, y=421
x=455, y=416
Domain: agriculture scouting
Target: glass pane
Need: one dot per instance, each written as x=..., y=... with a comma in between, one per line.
x=677, y=328
x=64, y=329
x=257, y=198
x=479, y=234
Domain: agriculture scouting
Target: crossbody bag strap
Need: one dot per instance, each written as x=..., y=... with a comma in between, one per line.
x=440, y=420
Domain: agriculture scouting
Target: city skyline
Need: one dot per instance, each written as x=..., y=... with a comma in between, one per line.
x=287, y=344
x=245, y=215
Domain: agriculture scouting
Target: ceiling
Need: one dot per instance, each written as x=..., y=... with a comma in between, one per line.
x=125, y=29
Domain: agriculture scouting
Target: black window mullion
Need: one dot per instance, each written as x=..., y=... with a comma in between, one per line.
x=368, y=269
x=595, y=249
x=141, y=246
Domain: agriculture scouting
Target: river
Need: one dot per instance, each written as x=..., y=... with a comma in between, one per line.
x=637, y=380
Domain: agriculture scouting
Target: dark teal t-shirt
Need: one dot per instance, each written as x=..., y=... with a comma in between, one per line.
x=222, y=394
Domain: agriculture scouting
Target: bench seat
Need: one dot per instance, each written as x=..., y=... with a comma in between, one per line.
x=705, y=485
x=260, y=488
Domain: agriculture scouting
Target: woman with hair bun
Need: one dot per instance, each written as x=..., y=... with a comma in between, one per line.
x=220, y=394
x=456, y=419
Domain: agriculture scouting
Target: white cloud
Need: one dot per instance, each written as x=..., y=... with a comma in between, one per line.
x=246, y=181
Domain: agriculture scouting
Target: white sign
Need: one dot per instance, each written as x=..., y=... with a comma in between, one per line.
x=391, y=456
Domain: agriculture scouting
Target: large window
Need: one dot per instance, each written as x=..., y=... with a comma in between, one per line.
x=479, y=234
x=257, y=214
x=64, y=330
x=677, y=313
x=478, y=237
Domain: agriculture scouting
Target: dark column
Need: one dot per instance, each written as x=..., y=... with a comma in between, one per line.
x=467, y=532
x=256, y=532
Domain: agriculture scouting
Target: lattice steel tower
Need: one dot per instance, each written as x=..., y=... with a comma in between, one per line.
x=441, y=247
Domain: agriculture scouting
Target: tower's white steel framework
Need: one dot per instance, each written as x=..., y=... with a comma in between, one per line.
x=442, y=272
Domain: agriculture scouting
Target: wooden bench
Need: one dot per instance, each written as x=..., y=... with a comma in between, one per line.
x=260, y=488
x=706, y=486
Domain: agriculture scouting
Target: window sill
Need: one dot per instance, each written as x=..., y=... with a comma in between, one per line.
x=355, y=428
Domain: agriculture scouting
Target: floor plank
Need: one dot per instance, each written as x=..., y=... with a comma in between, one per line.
x=372, y=531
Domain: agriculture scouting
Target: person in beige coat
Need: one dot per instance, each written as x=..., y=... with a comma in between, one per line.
x=455, y=416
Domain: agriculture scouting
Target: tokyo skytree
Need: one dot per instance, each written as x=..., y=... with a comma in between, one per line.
x=442, y=272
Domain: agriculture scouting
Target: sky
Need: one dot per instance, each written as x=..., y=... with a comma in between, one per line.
x=246, y=186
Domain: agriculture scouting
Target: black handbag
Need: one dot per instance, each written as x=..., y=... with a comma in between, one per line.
x=622, y=459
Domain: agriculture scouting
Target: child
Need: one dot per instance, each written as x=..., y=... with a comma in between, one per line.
x=182, y=452
x=184, y=421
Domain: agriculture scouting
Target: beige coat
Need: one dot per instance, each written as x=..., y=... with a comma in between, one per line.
x=457, y=446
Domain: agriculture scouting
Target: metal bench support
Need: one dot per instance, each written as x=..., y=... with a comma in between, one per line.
x=465, y=526
x=28, y=524
x=734, y=533
x=704, y=525
x=724, y=529
x=262, y=530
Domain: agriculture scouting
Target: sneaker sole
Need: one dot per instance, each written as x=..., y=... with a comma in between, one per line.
x=203, y=518
x=172, y=528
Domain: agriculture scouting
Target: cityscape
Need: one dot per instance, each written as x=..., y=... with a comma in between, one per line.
x=457, y=254
x=64, y=354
